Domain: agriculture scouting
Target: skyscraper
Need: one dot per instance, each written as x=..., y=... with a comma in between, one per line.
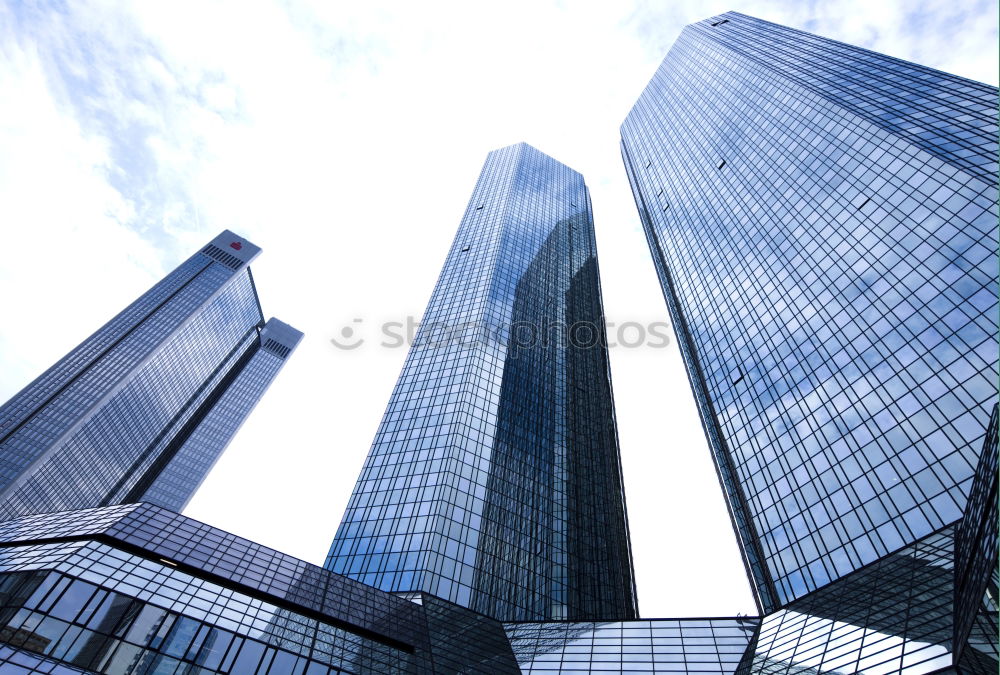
x=494, y=481
x=180, y=469
x=822, y=219
x=142, y=408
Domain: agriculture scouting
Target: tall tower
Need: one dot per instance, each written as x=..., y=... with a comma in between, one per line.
x=494, y=479
x=822, y=219
x=141, y=409
x=180, y=469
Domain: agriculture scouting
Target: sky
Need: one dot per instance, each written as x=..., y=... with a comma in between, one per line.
x=345, y=138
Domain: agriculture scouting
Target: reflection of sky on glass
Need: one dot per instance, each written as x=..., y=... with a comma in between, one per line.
x=493, y=481
x=836, y=647
x=837, y=279
x=893, y=614
x=661, y=645
x=121, y=396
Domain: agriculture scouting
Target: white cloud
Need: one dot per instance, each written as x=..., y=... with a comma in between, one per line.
x=70, y=260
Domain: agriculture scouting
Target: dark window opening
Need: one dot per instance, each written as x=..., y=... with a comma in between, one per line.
x=465, y=248
x=740, y=378
x=864, y=202
x=722, y=163
x=277, y=348
x=479, y=208
x=719, y=23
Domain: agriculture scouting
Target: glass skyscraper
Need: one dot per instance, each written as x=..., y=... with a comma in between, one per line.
x=173, y=481
x=141, y=409
x=823, y=219
x=494, y=481
x=823, y=222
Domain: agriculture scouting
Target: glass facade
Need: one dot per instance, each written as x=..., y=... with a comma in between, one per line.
x=143, y=408
x=658, y=645
x=136, y=590
x=976, y=574
x=494, y=480
x=893, y=616
x=822, y=219
x=174, y=481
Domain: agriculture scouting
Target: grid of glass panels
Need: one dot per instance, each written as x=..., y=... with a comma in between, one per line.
x=99, y=426
x=823, y=222
x=22, y=406
x=138, y=590
x=893, y=616
x=976, y=575
x=85, y=465
x=494, y=479
x=658, y=645
x=209, y=553
x=20, y=662
x=83, y=624
x=47, y=408
x=173, y=480
x=950, y=117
